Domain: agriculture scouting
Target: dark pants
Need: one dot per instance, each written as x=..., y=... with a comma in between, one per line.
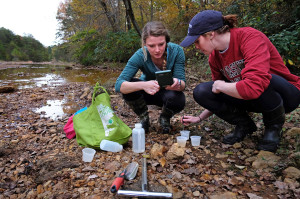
x=173, y=100
x=279, y=91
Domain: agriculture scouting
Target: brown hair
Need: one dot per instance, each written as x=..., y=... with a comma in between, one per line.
x=156, y=29
x=229, y=21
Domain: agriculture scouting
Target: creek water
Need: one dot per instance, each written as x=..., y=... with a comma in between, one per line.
x=31, y=76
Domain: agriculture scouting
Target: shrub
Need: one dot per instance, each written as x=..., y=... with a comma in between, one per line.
x=117, y=46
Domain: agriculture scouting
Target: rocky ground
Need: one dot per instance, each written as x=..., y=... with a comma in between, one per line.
x=38, y=161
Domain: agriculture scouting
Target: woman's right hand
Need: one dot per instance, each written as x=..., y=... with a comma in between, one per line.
x=151, y=87
x=187, y=120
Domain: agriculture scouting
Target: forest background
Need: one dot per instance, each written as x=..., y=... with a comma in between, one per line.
x=97, y=31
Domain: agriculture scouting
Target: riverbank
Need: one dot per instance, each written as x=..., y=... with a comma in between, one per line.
x=37, y=160
x=12, y=64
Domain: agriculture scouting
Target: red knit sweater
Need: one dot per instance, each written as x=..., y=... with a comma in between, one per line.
x=249, y=60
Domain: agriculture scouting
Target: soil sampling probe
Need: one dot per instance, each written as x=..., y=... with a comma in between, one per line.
x=144, y=193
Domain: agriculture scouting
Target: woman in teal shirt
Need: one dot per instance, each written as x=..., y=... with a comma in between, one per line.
x=156, y=54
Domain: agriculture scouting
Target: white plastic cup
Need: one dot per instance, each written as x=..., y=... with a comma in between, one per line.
x=181, y=141
x=185, y=133
x=195, y=140
x=88, y=154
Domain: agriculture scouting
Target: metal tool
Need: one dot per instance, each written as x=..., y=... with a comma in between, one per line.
x=144, y=193
x=129, y=173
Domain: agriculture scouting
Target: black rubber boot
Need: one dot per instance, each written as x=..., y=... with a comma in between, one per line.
x=164, y=120
x=240, y=118
x=273, y=121
x=140, y=108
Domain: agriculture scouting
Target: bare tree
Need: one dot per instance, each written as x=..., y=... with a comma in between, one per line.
x=110, y=16
x=129, y=11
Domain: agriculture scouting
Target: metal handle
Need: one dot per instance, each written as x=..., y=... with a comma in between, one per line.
x=144, y=194
x=144, y=175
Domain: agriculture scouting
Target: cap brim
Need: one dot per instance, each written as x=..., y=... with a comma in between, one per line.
x=189, y=40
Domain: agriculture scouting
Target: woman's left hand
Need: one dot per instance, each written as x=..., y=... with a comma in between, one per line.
x=176, y=86
x=217, y=85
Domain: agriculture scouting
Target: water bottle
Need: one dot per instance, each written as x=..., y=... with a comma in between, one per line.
x=107, y=145
x=138, y=139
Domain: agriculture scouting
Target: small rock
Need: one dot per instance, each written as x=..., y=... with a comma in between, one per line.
x=226, y=195
x=253, y=196
x=175, y=152
x=265, y=159
x=39, y=189
x=293, y=132
x=196, y=193
x=292, y=172
x=221, y=156
x=237, y=145
x=157, y=151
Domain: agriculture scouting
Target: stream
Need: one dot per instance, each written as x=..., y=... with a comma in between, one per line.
x=45, y=76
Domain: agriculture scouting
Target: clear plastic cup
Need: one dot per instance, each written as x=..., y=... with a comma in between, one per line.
x=181, y=141
x=185, y=133
x=195, y=140
x=88, y=154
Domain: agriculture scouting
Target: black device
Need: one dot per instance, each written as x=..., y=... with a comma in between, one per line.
x=164, y=77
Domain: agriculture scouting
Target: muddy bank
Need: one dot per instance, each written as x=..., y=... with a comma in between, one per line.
x=38, y=161
x=12, y=64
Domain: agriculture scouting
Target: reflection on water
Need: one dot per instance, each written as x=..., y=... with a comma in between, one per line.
x=39, y=75
x=53, y=109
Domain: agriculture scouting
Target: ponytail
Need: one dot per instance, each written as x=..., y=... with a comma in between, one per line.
x=229, y=21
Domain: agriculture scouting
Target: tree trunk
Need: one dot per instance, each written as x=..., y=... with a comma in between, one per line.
x=142, y=16
x=129, y=11
x=109, y=16
x=151, y=8
x=128, y=22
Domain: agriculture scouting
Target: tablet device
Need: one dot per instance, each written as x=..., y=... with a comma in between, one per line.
x=164, y=77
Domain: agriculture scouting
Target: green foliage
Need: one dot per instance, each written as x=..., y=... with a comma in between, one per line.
x=117, y=47
x=90, y=48
x=64, y=52
x=17, y=48
x=278, y=19
x=85, y=42
x=287, y=43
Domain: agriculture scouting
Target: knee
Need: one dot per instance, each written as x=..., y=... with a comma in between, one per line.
x=201, y=92
x=132, y=96
x=176, y=101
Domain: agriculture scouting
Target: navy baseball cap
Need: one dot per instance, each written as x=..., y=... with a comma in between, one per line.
x=201, y=23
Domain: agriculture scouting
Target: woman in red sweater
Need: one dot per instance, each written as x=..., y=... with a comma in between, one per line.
x=248, y=76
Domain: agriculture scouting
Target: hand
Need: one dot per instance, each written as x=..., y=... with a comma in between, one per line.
x=217, y=85
x=175, y=86
x=151, y=87
x=186, y=120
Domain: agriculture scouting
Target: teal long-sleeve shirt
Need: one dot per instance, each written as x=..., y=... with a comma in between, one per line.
x=175, y=63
